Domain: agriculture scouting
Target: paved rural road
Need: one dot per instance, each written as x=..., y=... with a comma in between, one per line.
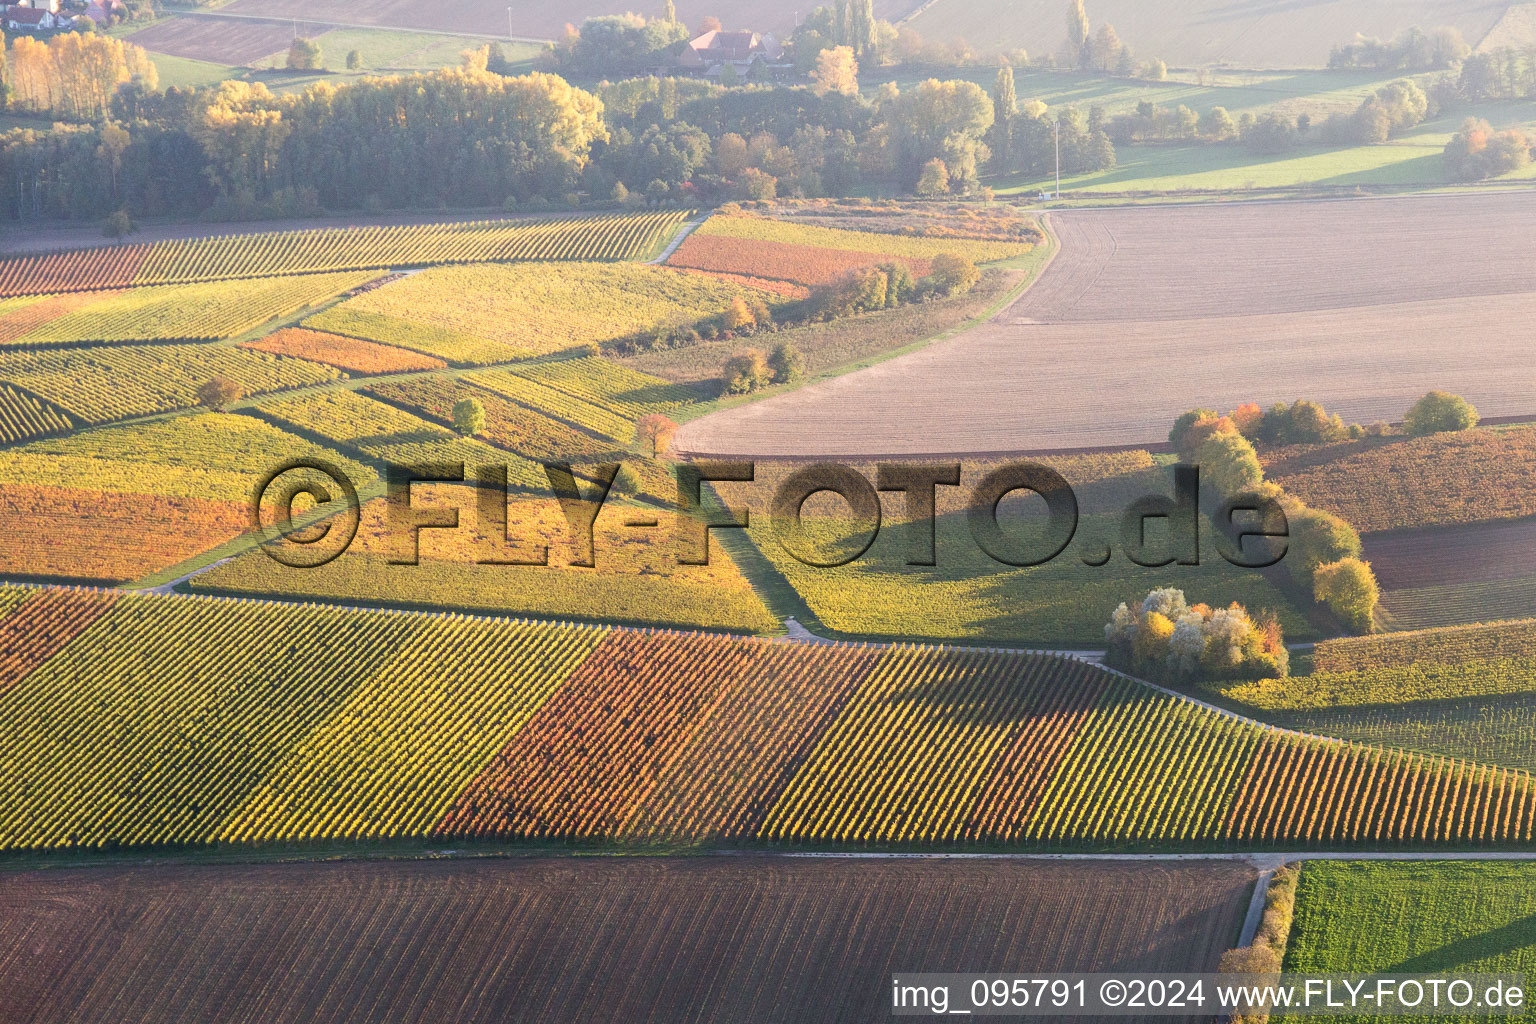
x=1147, y=311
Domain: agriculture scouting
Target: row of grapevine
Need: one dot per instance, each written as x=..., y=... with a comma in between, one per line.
x=114, y=382
x=44, y=623
x=379, y=431
x=286, y=723
x=206, y=455
x=610, y=385
x=1326, y=792
x=180, y=261
x=610, y=237
x=485, y=313
x=114, y=266
x=556, y=403
x=23, y=417
x=190, y=312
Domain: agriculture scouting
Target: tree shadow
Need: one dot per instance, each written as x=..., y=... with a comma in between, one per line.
x=1517, y=935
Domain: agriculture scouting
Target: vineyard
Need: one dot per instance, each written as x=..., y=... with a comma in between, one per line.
x=555, y=403
x=490, y=313
x=1447, y=646
x=211, y=456
x=306, y=723
x=114, y=266
x=879, y=244
x=98, y=385
x=635, y=576
x=969, y=597
x=105, y=537
x=193, y=312
x=364, y=358
x=611, y=237
x=378, y=432
x=23, y=417
x=1409, y=483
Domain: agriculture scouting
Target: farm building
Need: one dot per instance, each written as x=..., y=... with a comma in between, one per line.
x=708, y=55
x=32, y=19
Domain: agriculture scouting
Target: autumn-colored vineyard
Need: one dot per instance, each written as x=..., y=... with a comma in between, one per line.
x=23, y=417
x=301, y=723
x=178, y=261
x=365, y=358
x=114, y=382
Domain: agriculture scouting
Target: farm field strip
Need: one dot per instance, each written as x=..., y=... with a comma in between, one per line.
x=352, y=355
x=278, y=253
x=91, y=536
x=359, y=942
x=281, y=722
x=202, y=455
x=193, y=312
x=484, y=313
x=1115, y=312
x=116, y=382
x=382, y=433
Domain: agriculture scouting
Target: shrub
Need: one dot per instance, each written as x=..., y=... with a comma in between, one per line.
x=1163, y=637
x=118, y=225
x=787, y=363
x=1439, y=412
x=952, y=274
x=1477, y=151
x=1317, y=539
x=1348, y=587
x=219, y=392
x=1229, y=462
x=626, y=482
x=1301, y=422
x=1180, y=436
x=747, y=371
x=468, y=416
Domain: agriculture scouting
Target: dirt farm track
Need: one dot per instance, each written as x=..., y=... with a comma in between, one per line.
x=1361, y=304
x=725, y=939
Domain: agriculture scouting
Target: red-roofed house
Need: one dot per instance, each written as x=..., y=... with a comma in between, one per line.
x=31, y=19
x=709, y=53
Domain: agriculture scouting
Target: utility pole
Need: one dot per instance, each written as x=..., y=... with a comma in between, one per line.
x=1058, y=156
x=509, y=25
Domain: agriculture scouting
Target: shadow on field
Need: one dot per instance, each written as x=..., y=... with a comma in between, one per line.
x=1457, y=955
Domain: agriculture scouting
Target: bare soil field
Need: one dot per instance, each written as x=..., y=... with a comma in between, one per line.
x=1149, y=311
x=222, y=40
x=1454, y=555
x=697, y=939
x=1244, y=33
x=534, y=19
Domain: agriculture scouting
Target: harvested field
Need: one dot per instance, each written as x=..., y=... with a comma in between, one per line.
x=1461, y=554
x=634, y=940
x=223, y=40
x=1366, y=325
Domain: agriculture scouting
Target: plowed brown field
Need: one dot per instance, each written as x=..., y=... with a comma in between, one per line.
x=596, y=939
x=1362, y=304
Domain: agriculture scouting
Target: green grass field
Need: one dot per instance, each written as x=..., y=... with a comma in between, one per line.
x=1406, y=918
